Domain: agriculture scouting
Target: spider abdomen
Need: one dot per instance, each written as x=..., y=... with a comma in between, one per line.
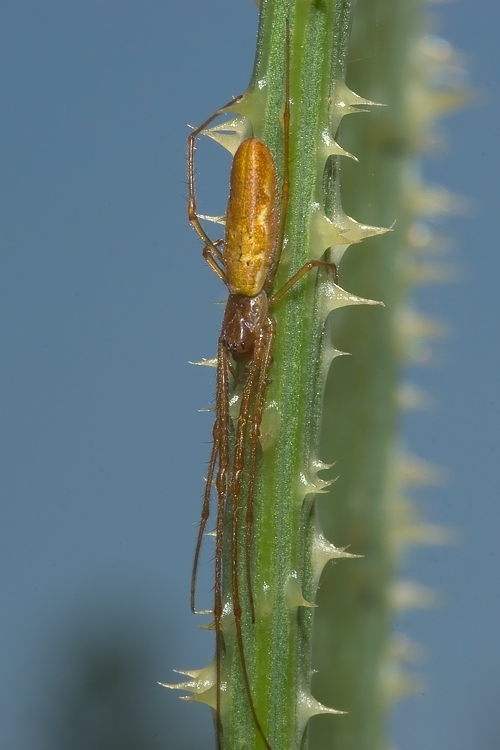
x=252, y=219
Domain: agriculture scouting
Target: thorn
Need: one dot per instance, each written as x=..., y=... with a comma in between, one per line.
x=411, y=398
x=348, y=100
x=213, y=219
x=334, y=297
x=204, y=362
x=330, y=147
x=417, y=472
x=308, y=706
x=293, y=593
x=202, y=680
x=232, y=133
x=323, y=551
x=412, y=595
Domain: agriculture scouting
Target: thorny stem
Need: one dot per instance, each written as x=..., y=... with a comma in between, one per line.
x=277, y=646
x=352, y=622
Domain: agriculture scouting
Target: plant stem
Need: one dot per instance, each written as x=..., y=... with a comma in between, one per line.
x=278, y=645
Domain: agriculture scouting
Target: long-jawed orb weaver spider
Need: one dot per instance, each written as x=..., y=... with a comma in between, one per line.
x=246, y=261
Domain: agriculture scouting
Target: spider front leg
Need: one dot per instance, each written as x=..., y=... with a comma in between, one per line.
x=192, y=212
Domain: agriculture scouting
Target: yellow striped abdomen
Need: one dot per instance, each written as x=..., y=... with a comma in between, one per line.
x=251, y=220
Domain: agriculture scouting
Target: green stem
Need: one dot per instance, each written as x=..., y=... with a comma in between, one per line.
x=359, y=417
x=278, y=645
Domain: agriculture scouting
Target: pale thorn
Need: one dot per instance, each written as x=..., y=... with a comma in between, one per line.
x=322, y=552
x=409, y=530
x=201, y=680
x=214, y=219
x=433, y=273
x=406, y=595
x=208, y=697
x=328, y=355
x=415, y=471
x=423, y=239
x=334, y=297
x=396, y=683
x=339, y=234
x=323, y=547
x=308, y=706
x=318, y=465
x=309, y=486
x=412, y=398
x=314, y=707
x=239, y=124
x=330, y=147
x=443, y=102
x=230, y=134
x=193, y=673
x=325, y=233
x=293, y=594
x=437, y=201
x=204, y=362
x=348, y=99
x=413, y=325
x=403, y=649
x=330, y=352
x=406, y=685
x=209, y=625
x=355, y=231
x=428, y=534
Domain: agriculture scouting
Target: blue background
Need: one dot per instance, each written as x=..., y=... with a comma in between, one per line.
x=105, y=297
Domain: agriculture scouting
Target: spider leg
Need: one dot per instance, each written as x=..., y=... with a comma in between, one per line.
x=221, y=438
x=251, y=381
x=215, y=258
x=192, y=213
x=300, y=274
x=269, y=329
x=205, y=512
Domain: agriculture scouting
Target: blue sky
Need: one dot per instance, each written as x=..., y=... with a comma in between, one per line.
x=105, y=297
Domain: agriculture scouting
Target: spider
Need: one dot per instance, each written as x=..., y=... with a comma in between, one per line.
x=246, y=261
